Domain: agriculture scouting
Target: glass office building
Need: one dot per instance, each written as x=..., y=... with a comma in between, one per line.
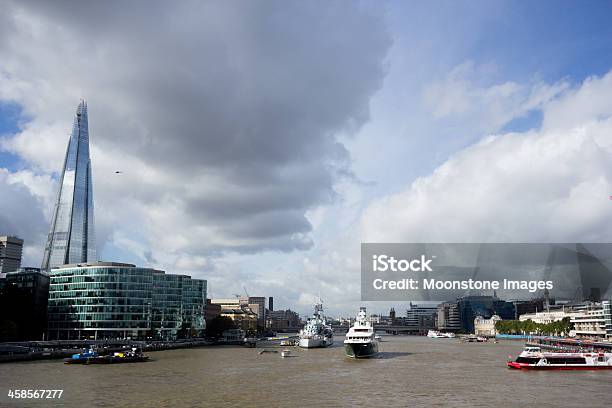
x=483, y=306
x=23, y=304
x=71, y=236
x=106, y=300
x=194, y=300
x=167, y=305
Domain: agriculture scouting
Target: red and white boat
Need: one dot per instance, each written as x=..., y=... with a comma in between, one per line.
x=533, y=358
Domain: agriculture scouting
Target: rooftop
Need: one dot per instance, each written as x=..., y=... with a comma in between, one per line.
x=96, y=264
x=11, y=238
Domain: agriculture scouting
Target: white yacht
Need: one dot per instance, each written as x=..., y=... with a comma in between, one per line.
x=316, y=333
x=360, y=341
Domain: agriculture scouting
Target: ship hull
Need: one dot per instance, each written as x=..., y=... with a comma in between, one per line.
x=523, y=366
x=315, y=343
x=361, y=350
x=106, y=360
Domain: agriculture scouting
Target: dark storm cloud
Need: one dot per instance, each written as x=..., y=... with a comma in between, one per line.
x=286, y=190
x=252, y=94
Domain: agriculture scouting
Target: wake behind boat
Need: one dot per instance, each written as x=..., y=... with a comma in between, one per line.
x=360, y=340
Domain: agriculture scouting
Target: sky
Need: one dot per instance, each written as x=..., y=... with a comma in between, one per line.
x=261, y=142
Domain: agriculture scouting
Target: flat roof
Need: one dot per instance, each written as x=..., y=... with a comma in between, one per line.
x=95, y=264
x=11, y=238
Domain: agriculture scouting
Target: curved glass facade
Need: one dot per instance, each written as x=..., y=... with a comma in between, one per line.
x=194, y=300
x=110, y=300
x=167, y=305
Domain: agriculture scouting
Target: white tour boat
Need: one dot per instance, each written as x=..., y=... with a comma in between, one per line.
x=533, y=358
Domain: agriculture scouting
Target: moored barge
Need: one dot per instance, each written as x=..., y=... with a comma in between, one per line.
x=90, y=356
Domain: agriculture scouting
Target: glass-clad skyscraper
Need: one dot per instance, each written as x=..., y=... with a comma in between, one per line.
x=71, y=236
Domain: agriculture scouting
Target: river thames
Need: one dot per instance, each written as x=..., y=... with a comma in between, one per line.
x=409, y=371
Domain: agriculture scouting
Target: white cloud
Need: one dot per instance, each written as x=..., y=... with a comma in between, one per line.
x=590, y=102
x=549, y=185
x=465, y=95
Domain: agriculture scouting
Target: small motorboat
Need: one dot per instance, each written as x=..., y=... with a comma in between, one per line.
x=285, y=353
x=82, y=358
x=475, y=339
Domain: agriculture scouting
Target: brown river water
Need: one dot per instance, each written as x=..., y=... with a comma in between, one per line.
x=409, y=372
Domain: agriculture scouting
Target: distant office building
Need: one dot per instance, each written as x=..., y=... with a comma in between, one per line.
x=377, y=319
x=11, y=249
x=240, y=311
x=283, y=321
x=595, y=322
x=421, y=318
x=114, y=300
x=547, y=317
x=581, y=306
x=211, y=311
x=529, y=306
x=258, y=305
x=271, y=303
x=234, y=302
x=23, y=304
x=448, y=317
x=595, y=275
x=607, y=309
x=71, y=235
x=486, y=327
x=483, y=306
x=243, y=317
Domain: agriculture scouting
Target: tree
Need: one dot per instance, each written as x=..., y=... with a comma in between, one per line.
x=558, y=328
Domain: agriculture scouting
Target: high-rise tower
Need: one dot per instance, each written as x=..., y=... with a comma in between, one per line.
x=71, y=236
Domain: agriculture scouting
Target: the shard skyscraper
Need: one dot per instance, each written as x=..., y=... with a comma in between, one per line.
x=71, y=236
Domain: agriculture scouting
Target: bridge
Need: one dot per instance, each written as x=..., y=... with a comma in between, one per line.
x=390, y=329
